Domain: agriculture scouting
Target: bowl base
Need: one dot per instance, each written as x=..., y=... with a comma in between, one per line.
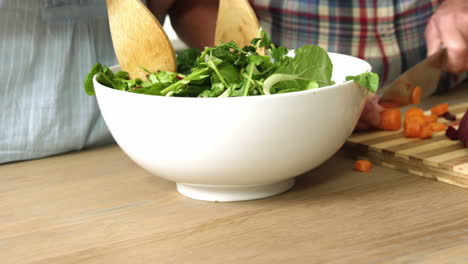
x=225, y=193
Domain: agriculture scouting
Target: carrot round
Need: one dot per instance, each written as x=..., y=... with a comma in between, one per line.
x=430, y=119
x=362, y=165
x=416, y=95
x=440, y=109
x=436, y=127
x=412, y=128
x=390, y=119
x=420, y=119
x=414, y=111
x=426, y=132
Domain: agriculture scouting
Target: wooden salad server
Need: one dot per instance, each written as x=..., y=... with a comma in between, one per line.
x=138, y=38
x=236, y=21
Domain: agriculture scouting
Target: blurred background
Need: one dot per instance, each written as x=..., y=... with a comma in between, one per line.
x=175, y=40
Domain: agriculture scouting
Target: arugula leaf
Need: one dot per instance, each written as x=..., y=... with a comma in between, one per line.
x=163, y=77
x=199, y=73
x=228, y=70
x=88, y=83
x=186, y=60
x=122, y=75
x=279, y=54
x=262, y=40
x=223, y=53
x=106, y=77
x=154, y=89
x=368, y=80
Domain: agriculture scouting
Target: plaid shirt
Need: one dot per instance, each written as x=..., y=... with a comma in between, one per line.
x=389, y=34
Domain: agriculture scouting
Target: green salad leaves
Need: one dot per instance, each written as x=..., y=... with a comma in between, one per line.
x=228, y=70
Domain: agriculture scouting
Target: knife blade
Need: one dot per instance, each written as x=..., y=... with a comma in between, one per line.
x=426, y=74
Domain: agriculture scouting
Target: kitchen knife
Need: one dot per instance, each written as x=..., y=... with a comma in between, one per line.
x=425, y=75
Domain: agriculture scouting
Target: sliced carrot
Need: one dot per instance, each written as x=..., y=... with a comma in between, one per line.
x=414, y=111
x=430, y=119
x=440, y=109
x=412, y=129
x=436, y=127
x=420, y=119
x=390, y=119
x=416, y=95
x=362, y=165
x=426, y=132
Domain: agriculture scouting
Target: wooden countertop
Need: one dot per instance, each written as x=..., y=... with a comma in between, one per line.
x=97, y=206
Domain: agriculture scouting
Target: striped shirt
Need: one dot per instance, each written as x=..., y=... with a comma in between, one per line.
x=46, y=49
x=389, y=34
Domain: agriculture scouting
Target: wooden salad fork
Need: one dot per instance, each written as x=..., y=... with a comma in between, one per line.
x=138, y=38
x=237, y=22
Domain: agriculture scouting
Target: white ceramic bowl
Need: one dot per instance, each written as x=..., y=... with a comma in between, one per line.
x=236, y=148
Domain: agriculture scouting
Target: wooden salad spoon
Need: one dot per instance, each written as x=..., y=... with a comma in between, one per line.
x=139, y=40
x=236, y=21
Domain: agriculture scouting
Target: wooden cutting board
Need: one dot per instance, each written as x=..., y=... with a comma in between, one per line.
x=437, y=158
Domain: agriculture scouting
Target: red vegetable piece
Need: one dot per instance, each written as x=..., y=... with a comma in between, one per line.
x=449, y=116
x=451, y=133
x=463, y=129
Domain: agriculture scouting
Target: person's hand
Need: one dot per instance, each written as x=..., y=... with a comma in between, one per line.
x=449, y=27
x=370, y=117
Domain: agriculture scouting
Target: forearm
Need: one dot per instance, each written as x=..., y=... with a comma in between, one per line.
x=194, y=21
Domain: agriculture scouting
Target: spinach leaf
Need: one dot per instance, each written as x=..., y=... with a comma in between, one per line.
x=310, y=64
x=368, y=80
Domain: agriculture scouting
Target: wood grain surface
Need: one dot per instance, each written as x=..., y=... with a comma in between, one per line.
x=97, y=206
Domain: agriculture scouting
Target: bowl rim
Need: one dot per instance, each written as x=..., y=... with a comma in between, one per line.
x=257, y=97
